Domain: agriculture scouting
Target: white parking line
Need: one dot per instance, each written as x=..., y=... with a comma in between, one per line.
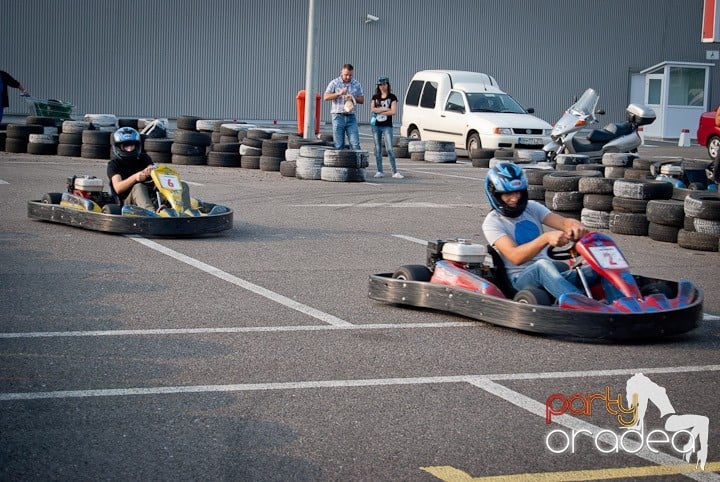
x=410, y=238
x=218, y=273
x=3, y=182
x=372, y=382
x=238, y=329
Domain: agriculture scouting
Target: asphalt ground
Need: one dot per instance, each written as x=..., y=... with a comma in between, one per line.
x=257, y=355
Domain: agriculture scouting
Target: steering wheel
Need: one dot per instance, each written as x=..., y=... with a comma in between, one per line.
x=561, y=253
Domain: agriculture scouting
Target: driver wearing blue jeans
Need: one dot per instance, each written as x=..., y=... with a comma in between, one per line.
x=515, y=229
x=345, y=93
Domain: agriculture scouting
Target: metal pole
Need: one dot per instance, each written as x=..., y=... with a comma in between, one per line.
x=309, y=125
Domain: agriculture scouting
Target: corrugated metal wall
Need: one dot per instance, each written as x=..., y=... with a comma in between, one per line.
x=246, y=59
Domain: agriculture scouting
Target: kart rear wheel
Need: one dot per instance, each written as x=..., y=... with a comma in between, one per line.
x=413, y=272
x=51, y=198
x=533, y=296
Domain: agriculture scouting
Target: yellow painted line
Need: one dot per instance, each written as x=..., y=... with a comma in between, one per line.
x=451, y=474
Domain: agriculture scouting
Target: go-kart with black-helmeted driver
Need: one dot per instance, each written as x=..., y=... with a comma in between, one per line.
x=86, y=204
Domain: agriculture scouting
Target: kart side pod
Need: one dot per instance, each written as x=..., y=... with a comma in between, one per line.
x=450, y=260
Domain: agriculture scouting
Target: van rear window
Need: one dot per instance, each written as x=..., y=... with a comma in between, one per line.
x=413, y=93
x=428, y=95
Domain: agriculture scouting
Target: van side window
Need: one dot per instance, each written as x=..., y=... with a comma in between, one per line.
x=455, y=103
x=413, y=93
x=428, y=95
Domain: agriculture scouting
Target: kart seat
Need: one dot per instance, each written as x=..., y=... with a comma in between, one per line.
x=500, y=276
x=114, y=194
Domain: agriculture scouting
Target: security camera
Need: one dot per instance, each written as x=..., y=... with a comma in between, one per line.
x=371, y=18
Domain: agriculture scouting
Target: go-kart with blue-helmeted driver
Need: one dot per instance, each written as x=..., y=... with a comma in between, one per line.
x=85, y=204
x=470, y=280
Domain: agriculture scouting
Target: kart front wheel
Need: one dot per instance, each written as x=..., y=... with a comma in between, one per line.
x=413, y=272
x=112, y=209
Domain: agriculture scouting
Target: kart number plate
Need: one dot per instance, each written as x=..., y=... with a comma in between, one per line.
x=168, y=181
x=530, y=140
x=609, y=257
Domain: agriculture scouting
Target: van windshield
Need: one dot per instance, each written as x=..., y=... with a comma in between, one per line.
x=484, y=102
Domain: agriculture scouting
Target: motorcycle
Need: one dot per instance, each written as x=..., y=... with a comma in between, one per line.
x=614, y=137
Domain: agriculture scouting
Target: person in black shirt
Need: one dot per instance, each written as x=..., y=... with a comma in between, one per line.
x=7, y=80
x=383, y=106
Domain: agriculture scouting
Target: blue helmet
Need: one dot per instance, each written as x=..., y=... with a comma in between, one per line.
x=502, y=178
x=126, y=135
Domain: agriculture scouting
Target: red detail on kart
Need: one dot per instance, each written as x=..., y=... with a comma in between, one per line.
x=452, y=273
x=602, y=254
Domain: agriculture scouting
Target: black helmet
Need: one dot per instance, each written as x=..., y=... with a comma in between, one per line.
x=124, y=136
x=502, y=178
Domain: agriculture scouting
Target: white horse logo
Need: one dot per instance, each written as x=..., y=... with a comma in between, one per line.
x=697, y=425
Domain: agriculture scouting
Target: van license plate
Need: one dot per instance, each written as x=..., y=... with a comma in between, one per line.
x=530, y=140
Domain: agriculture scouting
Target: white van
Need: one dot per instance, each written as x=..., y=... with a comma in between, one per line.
x=469, y=109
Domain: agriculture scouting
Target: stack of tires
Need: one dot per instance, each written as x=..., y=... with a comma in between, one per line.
x=272, y=153
x=189, y=145
x=440, y=151
x=225, y=147
x=630, y=204
x=289, y=165
x=251, y=153
x=562, y=192
x=400, y=147
x=416, y=149
x=701, y=230
x=96, y=144
x=569, y=162
x=159, y=150
x=597, y=201
x=616, y=164
x=18, y=136
x=529, y=156
x=309, y=163
x=42, y=144
x=46, y=143
x=666, y=217
x=503, y=154
x=70, y=138
x=536, y=190
x=640, y=169
x=481, y=157
x=250, y=148
x=344, y=165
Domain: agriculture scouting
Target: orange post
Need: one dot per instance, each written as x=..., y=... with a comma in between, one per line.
x=300, y=105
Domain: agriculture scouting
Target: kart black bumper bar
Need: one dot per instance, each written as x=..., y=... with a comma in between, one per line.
x=548, y=320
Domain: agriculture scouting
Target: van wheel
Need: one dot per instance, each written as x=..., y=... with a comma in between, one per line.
x=414, y=133
x=473, y=142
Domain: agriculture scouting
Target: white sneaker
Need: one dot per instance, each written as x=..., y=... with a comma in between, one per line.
x=379, y=174
x=397, y=175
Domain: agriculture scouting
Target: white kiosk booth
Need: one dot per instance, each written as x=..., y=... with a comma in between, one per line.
x=678, y=93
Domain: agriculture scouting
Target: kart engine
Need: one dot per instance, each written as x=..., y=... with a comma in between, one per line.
x=88, y=187
x=475, y=257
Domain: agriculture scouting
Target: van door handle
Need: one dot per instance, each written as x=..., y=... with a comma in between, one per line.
x=442, y=115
